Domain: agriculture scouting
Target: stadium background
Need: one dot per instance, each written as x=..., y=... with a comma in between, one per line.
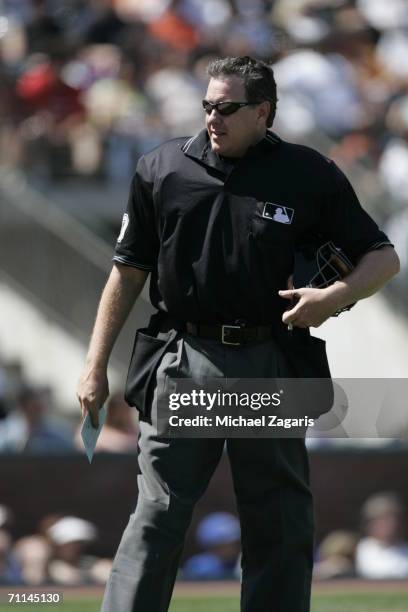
x=86, y=88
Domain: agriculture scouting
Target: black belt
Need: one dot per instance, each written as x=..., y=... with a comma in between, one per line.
x=233, y=335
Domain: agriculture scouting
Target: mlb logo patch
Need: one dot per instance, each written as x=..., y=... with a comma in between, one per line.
x=279, y=213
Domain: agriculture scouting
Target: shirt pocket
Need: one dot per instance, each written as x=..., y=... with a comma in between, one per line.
x=269, y=233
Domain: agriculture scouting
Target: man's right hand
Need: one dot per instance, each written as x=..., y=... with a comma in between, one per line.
x=92, y=391
x=121, y=290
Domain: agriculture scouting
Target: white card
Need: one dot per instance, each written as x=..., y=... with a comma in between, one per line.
x=89, y=434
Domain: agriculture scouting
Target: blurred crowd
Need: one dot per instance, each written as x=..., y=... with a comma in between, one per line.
x=378, y=550
x=58, y=553
x=87, y=86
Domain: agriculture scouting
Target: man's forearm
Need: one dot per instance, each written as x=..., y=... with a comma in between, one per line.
x=372, y=272
x=120, y=293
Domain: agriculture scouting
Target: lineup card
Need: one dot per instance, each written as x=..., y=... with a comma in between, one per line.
x=89, y=434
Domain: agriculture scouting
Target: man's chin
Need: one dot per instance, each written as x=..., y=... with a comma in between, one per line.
x=219, y=148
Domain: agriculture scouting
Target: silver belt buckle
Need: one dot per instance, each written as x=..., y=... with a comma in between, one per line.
x=224, y=341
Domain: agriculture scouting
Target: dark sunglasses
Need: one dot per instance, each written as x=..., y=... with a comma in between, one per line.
x=225, y=108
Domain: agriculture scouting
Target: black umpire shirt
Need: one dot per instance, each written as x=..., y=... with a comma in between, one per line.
x=219, y=235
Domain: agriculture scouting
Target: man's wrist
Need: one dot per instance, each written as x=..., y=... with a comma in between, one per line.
x=339, y=295
x=98, y=364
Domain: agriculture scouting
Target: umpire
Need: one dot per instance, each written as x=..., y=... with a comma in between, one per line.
x=215, y=219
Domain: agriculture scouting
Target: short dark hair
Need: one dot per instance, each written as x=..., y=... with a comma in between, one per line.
x=257, y=75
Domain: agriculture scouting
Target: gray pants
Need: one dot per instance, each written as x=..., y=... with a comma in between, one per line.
x=271, y=483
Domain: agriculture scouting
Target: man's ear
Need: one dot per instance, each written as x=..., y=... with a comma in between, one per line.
x=263, y=110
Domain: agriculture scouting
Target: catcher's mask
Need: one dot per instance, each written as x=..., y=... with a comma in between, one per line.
x=321, y=268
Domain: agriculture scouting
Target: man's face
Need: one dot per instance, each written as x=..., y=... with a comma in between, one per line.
x=231, y=135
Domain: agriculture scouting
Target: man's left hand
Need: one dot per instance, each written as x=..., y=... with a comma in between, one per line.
x=313, y=306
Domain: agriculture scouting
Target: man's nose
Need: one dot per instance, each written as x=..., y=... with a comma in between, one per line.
x=214, y=116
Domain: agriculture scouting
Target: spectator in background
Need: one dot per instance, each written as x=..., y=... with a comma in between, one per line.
x=6, y=518
x=12, y=379
x=118, y=109
x=383, y=552
x=219, y=535
x=28, y=428
x=178, y=112
x=336, y=556
x=69, y=565
x=119, y=433
x=53, y=108
x=10, y=571
x=33, y=554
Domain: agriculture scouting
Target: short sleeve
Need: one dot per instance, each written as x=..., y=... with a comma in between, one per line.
x=137, y=244
x=345, y=222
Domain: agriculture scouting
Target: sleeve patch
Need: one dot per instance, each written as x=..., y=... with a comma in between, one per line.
x=125, y=223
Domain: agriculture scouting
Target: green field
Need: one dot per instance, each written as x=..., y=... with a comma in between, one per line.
x=351, y=602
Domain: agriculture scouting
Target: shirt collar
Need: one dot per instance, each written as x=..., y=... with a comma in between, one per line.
x=199, y=147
